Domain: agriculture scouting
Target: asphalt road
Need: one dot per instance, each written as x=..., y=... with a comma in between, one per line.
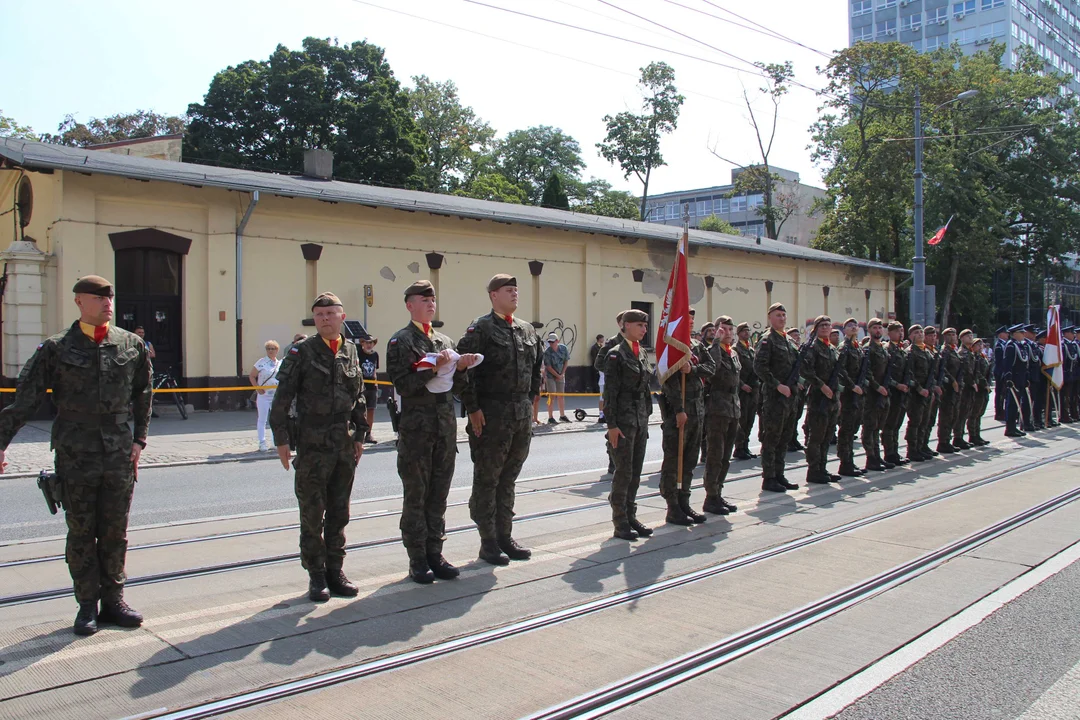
x=1022, y=661
x=203, y=491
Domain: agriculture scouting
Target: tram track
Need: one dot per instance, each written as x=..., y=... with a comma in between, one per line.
x=660, y=677
x=382, y=542
x=206, y=570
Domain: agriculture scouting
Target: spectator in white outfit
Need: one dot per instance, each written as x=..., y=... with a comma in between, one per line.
x=264, y=374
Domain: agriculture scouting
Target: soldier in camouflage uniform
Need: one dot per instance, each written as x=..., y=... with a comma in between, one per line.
x=951, y=387
x=686, y=412
x=774, y=362
x=800, y=395
x=95, y=371
x=498, y=399
x=323, y=374
x=968, y=389
x=749, y=393
x=823, y=373
x=856, y=367
x=890, y=433
x=629, y=405
x=930, y=338
x=724, y=415
x=877, y=402
x=919, y=379
x=981, y=379
x=598, y=365
x=427, y=431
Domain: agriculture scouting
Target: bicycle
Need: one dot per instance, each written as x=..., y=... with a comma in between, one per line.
x=164, y=380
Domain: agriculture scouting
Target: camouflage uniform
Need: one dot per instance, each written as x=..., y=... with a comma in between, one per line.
x=981, y=400
x=822, y=365
x=599, y=365
x=331, y=419
x=774, y=359
x=724, y=413
x=890, y=434
x=876, y=405
x=967, y=394
x=749, y=402
x=627, y=407
x=671, y=487
x=427, y=439
x=935, y=404
x=503, y=386
x=93, y=385
x=851, y=403
x=950, y=398
x=919, y=377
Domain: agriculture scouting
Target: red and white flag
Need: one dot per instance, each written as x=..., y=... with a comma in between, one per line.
x=673, y=332
x=1051, y=363
x=940, y=234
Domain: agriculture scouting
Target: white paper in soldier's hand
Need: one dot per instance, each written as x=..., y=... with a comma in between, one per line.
x=444, y=376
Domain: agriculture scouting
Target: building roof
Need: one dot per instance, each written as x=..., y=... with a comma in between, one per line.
x=42, y=156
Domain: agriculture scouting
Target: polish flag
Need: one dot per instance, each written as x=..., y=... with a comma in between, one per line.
x=940, y=234
x=673, y=332
x=428, y=362
x=1051, y=364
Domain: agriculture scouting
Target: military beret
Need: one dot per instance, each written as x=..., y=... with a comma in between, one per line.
x=966, y=331
x=742, y=326
x=423, y=288
x=895, y=325
x=948, y=330
x=930, y=330
x=706, y=326
x=618, y=318
x=93, y=285
x=693, y=311
x=914, y=328
x=976, y=341
x=851, y=321
x=821, y=320
x=776, y=306
x=873, y=322
x=1001, y=329
x=630, y=316
x=1040, y=335
x=726, y=320
x=326, y=299
x=1017, y=328
x=501, y=280
x=793, y=331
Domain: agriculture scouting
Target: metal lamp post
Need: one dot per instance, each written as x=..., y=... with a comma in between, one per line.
x=918, y=288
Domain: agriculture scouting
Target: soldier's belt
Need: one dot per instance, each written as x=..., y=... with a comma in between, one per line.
x=92, y=418
x=504, y=397
x=324, y=420
x=427, y=400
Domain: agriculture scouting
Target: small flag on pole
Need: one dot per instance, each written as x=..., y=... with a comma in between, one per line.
x=940, y=234
x=673, y=332
x=1051, y=364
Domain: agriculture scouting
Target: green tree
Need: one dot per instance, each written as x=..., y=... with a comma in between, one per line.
x=596, y=197
x=493, y=186
x=717, y=224
x=123, y=126
x=10, y=128
x=453, y=135
x=554, y=195
x=263, y=114
x=527, y=158
x=633, y=140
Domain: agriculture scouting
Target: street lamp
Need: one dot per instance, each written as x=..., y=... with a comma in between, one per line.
x=918, y=288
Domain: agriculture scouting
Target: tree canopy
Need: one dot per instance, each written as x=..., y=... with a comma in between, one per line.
x=10, y=128
x=123, y=126
x=263, y=114
x=454, y=137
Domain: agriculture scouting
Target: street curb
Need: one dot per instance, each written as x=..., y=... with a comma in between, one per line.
x=384, y=446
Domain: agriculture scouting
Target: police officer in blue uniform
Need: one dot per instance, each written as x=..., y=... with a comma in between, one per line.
x=1014, y=376
x=1036, y=379
x=999, y=364
x=1070, y=351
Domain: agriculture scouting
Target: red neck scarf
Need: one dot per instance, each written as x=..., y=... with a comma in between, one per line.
x=100, y=332
x=637, y=349
x=827, y=341
x=334, y=345
x=727, y=348
x=427, y=328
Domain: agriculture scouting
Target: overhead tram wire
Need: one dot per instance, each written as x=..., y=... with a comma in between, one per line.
x=620, y=21
x=766, y=29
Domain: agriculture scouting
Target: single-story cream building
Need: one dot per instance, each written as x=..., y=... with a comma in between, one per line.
x=215, y=261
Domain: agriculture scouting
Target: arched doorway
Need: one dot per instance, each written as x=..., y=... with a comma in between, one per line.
x=149, y=291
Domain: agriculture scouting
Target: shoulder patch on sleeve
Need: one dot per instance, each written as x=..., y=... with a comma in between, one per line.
x=294, y=351
x=41, y=345
x=471, y=328
x=613, y=355
x=393, y=341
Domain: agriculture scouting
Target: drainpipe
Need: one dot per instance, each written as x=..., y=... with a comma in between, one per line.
x=240, y=283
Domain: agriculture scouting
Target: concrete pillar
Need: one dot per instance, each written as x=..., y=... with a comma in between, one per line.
x=24, y=303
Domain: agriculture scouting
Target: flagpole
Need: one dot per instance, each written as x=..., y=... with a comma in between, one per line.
x=682, y=429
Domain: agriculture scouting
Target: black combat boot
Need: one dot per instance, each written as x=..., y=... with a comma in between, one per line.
x=730, y=508
x=849, y=470
x=317, y=590
x=490, y=553
x=86, y=619
x=441, y=568
x=675, y=514
x=684, y=505
x=635, y=524
x=786, y=483
x=339, y=585
x=818, y=478
x=1012, y=431
x=773, y=485
x=945, y=448
x=713, y=504
x=419, y=570
x=118, y=612
x=514, y=551
x=929, y=452
x=960, y=444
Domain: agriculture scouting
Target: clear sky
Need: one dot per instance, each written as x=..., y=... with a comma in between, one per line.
x=105, y=57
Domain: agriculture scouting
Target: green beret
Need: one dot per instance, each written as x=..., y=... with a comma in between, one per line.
x=501, y=280
x=326, y=299
x=914, y=327
x=966, y=331
x=930, y=330
x=742, y=326
x=948, y=330
x=873, y=322
x=423, y=288
x=725, y=320
x=851, y=321
x=776, y=306
x=894, y=325
x=630, y=316
x=93, y=285
x=821, y=320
